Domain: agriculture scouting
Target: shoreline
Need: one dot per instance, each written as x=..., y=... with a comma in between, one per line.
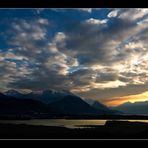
x=111, y=129
x=128, y=117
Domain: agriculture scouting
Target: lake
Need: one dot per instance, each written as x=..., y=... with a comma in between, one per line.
x=63, y=122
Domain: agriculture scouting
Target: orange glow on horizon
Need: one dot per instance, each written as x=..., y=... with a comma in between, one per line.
x=131, y=98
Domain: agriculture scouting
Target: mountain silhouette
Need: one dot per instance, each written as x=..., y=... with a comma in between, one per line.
x=46, y=96
x=72, y=105
x=68, y=105
x=13, y=106
x=101, y=107
x=133, y=108
x=13, y=93
x=58, y=102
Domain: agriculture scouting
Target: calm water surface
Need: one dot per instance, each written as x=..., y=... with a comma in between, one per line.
x=64, y=122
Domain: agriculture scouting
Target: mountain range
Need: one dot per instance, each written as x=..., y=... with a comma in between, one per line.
x=11, y=106
x=58, y=103
x=102, y=108
x=46, y=96
x=73, y=105
x=139, y=108
x=53, y=103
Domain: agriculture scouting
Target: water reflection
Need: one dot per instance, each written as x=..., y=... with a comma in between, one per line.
x=64, y=122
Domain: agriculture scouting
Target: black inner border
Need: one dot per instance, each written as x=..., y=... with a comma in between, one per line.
x=73, y=3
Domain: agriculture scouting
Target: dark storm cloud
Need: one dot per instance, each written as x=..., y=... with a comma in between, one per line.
x=48, y=78
x=106, y=77
x=97, y=43
x=82, y=77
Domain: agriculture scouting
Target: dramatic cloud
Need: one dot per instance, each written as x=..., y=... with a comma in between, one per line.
x=46, y=64
x=101, y=55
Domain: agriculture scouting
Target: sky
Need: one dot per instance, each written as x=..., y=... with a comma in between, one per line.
x=96, y=53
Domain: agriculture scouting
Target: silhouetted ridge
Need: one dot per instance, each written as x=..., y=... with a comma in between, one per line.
x=60, y=102
x=140, y=108
x=13, y=106
x=46, y=96
x=72, y=105
x=101, y=108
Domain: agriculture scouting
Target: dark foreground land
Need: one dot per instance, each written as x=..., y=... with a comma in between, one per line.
x=74, y=117
x=111, y=130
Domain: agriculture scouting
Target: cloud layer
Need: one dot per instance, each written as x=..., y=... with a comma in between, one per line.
x=94, y=57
